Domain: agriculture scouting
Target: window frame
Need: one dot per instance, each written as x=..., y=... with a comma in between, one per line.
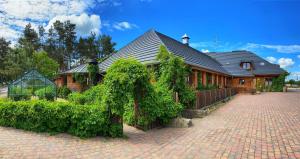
x=243, y=81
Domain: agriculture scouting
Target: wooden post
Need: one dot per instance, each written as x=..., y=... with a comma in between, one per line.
x=136, y=111
x=218, y=80
x=195, y=78
x=222, y=81
x=176, y=97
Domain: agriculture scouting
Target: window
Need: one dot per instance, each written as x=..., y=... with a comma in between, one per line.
x=242, y=81
x=268, y=82
x=246, y=65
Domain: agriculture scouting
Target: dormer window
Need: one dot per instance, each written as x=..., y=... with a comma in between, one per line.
x=246, y=65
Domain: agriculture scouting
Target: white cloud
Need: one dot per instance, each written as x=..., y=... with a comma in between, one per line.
x=278, y=48
x=84, y=24
x=204, y=50
x=124, y=26
x=271, y=59
x=7, y=32
x=15, y=14
x=285, y=62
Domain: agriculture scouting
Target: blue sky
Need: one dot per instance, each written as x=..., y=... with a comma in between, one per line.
x=270, y=28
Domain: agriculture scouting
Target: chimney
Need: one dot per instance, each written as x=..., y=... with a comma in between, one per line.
x=185, y=39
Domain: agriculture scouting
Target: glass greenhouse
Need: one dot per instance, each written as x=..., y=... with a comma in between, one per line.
x=29, y=84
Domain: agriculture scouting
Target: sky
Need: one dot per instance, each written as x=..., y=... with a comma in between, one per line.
x=270, y=28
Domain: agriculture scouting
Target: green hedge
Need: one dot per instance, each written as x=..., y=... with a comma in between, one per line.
x=90, y=96
x=57, y=117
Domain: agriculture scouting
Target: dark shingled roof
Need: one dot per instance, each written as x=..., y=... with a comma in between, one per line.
x=231, y=62
x=78, y=69
x=146, y=47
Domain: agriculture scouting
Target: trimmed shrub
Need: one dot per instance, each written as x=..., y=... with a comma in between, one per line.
x=56, y=117
x=47, y=93
x=63, y=92
x=90, y=96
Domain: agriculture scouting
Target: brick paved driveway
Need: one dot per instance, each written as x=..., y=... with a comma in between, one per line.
x=249, y=126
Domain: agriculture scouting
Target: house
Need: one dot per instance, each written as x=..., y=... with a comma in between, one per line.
x=247, y=69
x=233, y=69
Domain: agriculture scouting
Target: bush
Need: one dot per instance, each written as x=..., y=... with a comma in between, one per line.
x=129, y=94
x=187, y=97
x=47, y=93
x=77, y=98
x=63, y=92
x=57, y=117
x=278, y=83
x=90, y=96
x=18, y=94
x=168, y=107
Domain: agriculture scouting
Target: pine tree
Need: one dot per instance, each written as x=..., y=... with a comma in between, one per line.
x=88, y=48
x=4, y=48
x=106, y=46
x=30, y=40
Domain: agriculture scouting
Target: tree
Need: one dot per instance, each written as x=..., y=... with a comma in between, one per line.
x=15, y=63
x=42, y=36
x=291, y=81
x=106, y=46
x=66, y=40
x=44, y=64
x=30, y=40
x=4, y=48
x=88, y=48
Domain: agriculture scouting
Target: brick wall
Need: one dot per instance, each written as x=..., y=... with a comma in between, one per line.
x=59, y=82
x=72, y=85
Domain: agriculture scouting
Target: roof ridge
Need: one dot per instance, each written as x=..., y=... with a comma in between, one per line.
x=187, y=46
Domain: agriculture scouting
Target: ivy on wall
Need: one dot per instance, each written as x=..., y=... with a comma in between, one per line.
x=278, y=83
x=173, y=73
